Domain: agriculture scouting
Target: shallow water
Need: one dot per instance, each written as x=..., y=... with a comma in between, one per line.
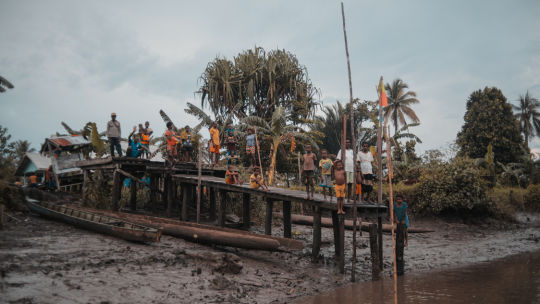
x=514, y=279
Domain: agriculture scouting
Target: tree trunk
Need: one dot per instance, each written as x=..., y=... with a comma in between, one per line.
x=272, y=166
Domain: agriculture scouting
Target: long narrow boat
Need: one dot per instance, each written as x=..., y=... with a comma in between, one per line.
x=95, y=222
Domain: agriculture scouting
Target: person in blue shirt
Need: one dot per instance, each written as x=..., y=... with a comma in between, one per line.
x=135, y=148
x=400, y=215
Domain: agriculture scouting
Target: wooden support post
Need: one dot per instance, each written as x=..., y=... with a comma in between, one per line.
x=400, y=246
x=116, y=191
x=1, y=217
x=170, y=196
x=316, y=234
x=335, y=226
x=375, y=269
x=246, y=197
x=212, y=204
x=222, y=207
x=268, y=216
x=133, y=198
x=287, y=229
x=379, y=221
x=86, y=176
x=153, y=202
x=165, y=195
x=186, y=189
x=342, y=244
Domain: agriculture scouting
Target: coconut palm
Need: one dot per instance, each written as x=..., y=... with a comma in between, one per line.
x=276, y=132
x=399, y=104
x=21, y=147
x=528, y=115
x=5, y=83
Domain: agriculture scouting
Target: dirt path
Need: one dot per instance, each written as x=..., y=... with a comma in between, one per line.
x=42, y=261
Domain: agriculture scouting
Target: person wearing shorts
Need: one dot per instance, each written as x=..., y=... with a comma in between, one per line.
x=187, y=146
x=325, y=167
x=214, y=144
x=170, y=161
x=250, y=146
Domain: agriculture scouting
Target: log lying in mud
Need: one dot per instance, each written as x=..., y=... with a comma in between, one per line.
x=327, y=222
x=210, y=235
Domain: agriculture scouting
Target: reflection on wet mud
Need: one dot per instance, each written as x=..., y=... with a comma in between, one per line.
x=515, y=279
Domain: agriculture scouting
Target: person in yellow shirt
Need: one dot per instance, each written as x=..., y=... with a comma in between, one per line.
x=213, y=144
x=187, y=146
x=256, y=182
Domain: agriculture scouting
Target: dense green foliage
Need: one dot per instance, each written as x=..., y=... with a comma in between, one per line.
x=489, y=120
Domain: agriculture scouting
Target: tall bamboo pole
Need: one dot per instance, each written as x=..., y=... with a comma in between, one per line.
x=300, y=182
x=353, y=144
x=390, y=194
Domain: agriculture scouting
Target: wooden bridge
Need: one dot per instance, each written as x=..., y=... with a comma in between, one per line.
x=165, y=182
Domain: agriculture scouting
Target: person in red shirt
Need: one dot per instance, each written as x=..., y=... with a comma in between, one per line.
x=172, y=140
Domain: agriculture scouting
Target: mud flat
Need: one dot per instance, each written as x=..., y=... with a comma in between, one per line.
x=43, y=261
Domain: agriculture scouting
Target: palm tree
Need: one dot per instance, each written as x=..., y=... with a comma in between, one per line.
x=399, y=104
x=21, y=147
x=5, y=83
x=528, y=116
x=277, y=133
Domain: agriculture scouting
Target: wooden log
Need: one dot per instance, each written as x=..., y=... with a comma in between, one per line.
x=212, y=204
x=328, y=223
x=185, y=202
x=400, y=246
x=268, y=216
x=380, y=228
x=287, y=229
x=375, y=269
x=133, y=197
x=116, y=190
x=316, y=235
x=1, y=216
x=246, y=210
x=153, y=204
x=341, y=245
x=170, y=196
x=222, y=208
x=335, y=226
x=206, y=234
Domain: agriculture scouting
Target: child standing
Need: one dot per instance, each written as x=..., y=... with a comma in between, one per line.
x=230, y=142
x=308, y=170
x=400, y=215
x=145, y=140
x=213, y=144
x=325, y=166
x=366, y=158
x=135, y=148
x=187, y=146
x=250, y=146
x=340, y=176
x=170, y=161
x=232, y=159
x=255, y=182
x=232, y=177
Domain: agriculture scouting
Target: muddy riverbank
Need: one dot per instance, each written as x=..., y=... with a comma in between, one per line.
x=42, y=261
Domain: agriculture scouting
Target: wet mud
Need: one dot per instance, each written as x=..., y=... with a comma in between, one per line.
x=43, y=261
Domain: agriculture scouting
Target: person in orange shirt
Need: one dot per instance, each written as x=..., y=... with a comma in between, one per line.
x=171, y=146
x=33, y=180
x=213, y=144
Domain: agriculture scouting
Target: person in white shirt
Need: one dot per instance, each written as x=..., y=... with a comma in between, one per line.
x=366, y=158
x=349, y=166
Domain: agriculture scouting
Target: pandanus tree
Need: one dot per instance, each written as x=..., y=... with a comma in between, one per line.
x=527, y=113
x=262, y=82
x=277, y=132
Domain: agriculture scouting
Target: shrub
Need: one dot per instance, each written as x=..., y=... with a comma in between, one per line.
x=532, y=198
x=455, y=186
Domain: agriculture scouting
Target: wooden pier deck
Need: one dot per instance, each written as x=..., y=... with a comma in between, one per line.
x=165, y=182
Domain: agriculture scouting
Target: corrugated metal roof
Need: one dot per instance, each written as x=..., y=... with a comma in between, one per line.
x=66, y=141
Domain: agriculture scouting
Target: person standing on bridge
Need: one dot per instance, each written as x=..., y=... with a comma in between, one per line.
x=114, y=133
x=170, y=161
x=213, y=144
x=349, y=166
x=187, y=146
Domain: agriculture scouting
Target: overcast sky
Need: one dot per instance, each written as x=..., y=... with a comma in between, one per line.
x=77, y=61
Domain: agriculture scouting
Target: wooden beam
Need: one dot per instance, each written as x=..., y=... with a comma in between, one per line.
x=400, y=246
x=379, y=224
x=341, y=244
x=138, y=180
x=375, y=269
x=153, y=201
x=246, y=210
x=316, y=235
x=116, y=190
x=335, y=227
x=222, y=208
x=170, y=196
x=212, y=203
x=287, y=229
x=133, y=197
x=268, y=216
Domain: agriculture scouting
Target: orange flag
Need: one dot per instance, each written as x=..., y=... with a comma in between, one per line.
x=383, y=99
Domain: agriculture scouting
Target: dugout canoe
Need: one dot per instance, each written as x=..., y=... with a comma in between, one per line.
x=96, y=222
x=210, y=235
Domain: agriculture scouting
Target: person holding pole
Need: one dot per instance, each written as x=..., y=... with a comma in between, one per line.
x=349, y=166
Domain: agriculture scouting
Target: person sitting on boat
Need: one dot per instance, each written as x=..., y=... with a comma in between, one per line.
x=135, y=147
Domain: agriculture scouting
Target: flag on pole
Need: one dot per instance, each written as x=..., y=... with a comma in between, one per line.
x=383, y=99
